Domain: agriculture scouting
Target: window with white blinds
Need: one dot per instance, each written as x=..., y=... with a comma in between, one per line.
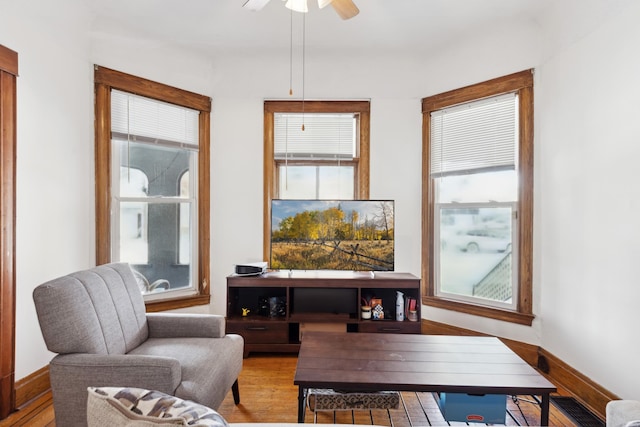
x=154, y=222
x=147, y=120
x=477, y=198
x=152, y=146
x=325, y=136
x=474, y=137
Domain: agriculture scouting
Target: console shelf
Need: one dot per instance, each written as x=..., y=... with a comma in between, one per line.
x=280, y=306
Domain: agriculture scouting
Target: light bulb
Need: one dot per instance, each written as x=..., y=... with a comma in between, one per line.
x=297, y=5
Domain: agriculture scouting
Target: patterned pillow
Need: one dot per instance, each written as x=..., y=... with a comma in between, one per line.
x=139, y=407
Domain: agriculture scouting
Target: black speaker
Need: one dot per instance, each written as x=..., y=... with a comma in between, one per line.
x=252, y=269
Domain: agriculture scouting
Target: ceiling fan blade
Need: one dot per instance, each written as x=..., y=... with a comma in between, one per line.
x=345, y=8
x=255, y=4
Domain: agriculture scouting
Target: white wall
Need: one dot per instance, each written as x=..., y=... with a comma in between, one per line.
x=588, y=200
x=55, y=194
x=576, y=318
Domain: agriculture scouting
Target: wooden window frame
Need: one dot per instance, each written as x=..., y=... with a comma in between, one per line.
x=8, y=142
x=106, y=79
x=522, y=84
x=270, y=170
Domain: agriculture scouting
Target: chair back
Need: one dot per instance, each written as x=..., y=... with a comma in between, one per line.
x=98, y=311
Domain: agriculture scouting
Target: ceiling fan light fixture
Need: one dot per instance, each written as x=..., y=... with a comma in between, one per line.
x=297, y=5
x=324, y=3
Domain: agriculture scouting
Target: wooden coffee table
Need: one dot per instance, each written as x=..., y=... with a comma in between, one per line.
x=421, y=363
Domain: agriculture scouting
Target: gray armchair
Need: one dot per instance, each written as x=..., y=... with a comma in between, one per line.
x=623, y=413
x=95, y=320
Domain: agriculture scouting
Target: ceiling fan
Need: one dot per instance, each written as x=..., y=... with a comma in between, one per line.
x=345, y=8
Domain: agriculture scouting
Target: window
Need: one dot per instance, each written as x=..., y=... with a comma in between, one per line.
x=150, y=139
x=329, y=159
x=477, y=197
x=185, y=232
x=318, y=162
x=132, y=236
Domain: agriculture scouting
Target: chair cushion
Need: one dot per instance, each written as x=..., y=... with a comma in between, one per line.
x=136, y=407
x=209, y=366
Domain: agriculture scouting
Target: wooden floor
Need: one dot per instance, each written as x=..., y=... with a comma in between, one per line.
x=267, y=394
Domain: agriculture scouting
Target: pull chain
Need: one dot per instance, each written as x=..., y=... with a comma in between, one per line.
x=291, y=54
x=304, y=33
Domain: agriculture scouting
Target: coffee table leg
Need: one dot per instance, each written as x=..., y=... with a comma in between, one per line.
x=301, y=404
x=544, y=410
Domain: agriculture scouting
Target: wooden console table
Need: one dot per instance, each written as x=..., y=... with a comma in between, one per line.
x=308, y=299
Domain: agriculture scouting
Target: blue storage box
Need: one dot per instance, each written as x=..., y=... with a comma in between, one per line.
x=473, y=408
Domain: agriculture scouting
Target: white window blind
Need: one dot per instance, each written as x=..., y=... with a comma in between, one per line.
x=326, y=136
x=475, y=137
x=142, y=119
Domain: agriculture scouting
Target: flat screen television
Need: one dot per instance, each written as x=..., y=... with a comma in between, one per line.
x=352, y=235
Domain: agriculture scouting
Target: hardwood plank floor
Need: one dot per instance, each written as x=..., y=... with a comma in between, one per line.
x=39, y=413
x=267, y=394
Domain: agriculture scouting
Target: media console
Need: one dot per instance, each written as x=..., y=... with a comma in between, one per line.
x=272, y=310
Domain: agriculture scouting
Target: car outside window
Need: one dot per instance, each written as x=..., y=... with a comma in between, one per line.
x=477, y=198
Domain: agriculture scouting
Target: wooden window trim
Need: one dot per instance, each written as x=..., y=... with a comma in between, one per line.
x=8, y=141
x=270, y=181
x=522, y=83
x=106, y=79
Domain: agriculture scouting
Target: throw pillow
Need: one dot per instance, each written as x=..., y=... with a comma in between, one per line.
x=135, y=407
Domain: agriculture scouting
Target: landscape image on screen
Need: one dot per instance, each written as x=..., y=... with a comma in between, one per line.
x=332, y=235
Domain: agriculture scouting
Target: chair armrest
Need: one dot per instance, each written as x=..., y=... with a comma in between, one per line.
x=621, y=412
x=177, y=325
x=152, y=372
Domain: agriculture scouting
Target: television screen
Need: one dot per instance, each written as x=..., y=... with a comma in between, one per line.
x=332, y=235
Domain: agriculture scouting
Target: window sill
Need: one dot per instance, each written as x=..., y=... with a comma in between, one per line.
x=175, y=303
x=477, y=310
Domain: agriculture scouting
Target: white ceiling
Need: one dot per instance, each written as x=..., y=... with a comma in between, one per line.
x=223, y=26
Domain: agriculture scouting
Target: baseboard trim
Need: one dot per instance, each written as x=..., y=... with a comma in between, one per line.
x=32, y=386
x=586, y=391
x=38, y=411
x=590, y=394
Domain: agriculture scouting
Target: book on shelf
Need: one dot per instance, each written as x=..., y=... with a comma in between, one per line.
x=410, y=304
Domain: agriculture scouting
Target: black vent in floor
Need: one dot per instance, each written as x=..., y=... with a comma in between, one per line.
x=578, y=413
